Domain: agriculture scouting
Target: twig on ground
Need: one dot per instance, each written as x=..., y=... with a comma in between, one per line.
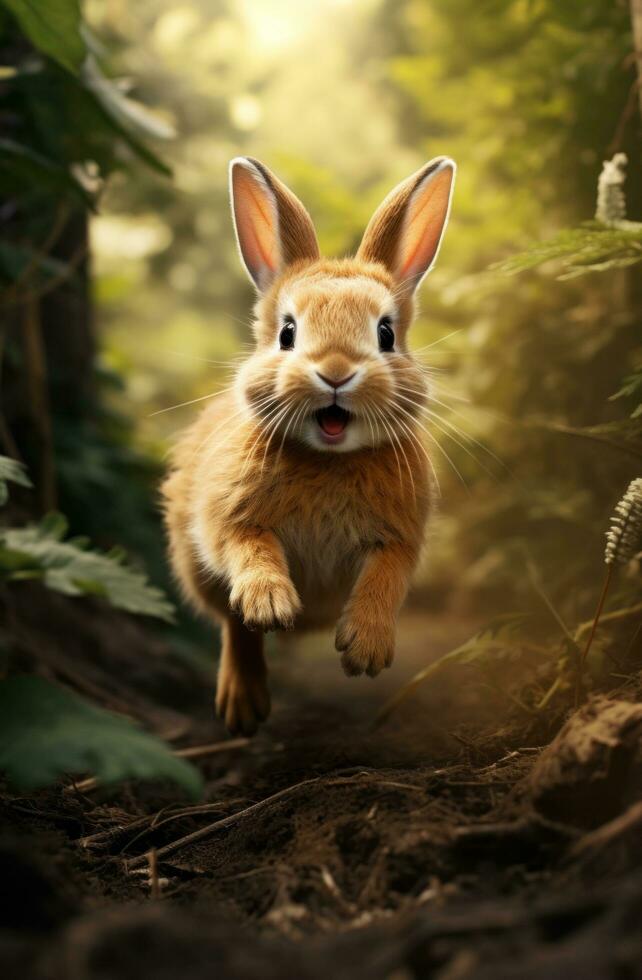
x=226, y=822
x=211, y=828
x=335, y=891
x=505, y=758
x=200, y=751
x=191, y=811
x=154, y=886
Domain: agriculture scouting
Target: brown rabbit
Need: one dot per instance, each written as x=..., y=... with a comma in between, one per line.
x=300, y=496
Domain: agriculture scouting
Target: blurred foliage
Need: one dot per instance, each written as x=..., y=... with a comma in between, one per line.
x=11, y=471
x=592, y=248
x=66, y=736
x=65, y=128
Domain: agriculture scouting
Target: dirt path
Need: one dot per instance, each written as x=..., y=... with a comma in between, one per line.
x=409, y=851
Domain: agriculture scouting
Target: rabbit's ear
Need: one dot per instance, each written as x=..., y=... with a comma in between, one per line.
x=405, y=232
x=273, y=229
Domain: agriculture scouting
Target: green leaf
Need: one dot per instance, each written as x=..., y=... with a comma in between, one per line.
x=631, y=387
x=76, y=571
x=52, y=26
x=47, y=732
x=54, y=525
x=491, y=639
x=130, y=119
x=15, y=564
x=624, y=435
x=11, y=471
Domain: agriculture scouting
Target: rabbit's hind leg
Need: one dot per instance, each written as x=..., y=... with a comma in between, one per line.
x=242, y=697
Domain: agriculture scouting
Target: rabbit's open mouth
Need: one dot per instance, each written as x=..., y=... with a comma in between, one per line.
x=333, y=422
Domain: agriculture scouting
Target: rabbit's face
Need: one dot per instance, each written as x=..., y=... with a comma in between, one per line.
x=332, y=369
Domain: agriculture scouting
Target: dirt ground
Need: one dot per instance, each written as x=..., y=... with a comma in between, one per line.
x=447, y=843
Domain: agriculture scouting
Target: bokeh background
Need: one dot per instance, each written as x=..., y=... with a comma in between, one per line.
x=532, y=442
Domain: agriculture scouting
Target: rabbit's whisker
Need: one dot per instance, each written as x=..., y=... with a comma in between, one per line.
x=403, y=451
x=447, y=393
x=432, y=439
x=296, y=413
x=206, y=360
x=368, y=418
x=192, y=401
x=263, y=428
x=229, y=418
x=443, y=426
x=388, y=429
x=467, y=435
x=274, y=424
x=417, y=443
x=439, y=421
x=436, y=342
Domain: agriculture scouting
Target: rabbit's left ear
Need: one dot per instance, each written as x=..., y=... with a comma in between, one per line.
x=405, y=232
x=273, y=229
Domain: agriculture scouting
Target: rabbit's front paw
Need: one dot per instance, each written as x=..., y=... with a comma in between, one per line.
x=265, y=601
x=367, y=643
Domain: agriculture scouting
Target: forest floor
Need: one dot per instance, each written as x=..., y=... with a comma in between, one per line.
x=446, y=843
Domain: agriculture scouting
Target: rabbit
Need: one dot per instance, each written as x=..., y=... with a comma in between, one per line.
x=299, y=497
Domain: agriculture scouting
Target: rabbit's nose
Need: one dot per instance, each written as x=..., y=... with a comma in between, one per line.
x=336, y=382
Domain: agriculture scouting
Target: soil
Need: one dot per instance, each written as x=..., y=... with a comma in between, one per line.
x=447, y=843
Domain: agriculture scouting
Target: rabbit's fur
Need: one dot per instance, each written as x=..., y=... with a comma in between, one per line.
x=279, y=516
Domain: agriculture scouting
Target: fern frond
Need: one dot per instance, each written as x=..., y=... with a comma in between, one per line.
x=625, y=534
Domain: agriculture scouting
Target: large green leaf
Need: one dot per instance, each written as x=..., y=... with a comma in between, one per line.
x=47, y=732
x=14, y=472
x=65, y=566
x=130, y=119
x=52, y=26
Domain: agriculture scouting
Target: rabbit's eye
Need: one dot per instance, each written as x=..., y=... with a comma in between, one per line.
x=386, y=334
x=288, y=330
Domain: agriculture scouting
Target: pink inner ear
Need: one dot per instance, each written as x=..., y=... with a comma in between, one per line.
x=424, y=224
x=256, y=223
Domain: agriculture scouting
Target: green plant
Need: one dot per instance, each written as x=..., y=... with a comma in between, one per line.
x=11, y=471
x=623, y=540
x=39, y=552
x=47, y=732
x=608, y=242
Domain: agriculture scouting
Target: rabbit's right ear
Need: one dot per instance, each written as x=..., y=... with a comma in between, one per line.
x=273, y=229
